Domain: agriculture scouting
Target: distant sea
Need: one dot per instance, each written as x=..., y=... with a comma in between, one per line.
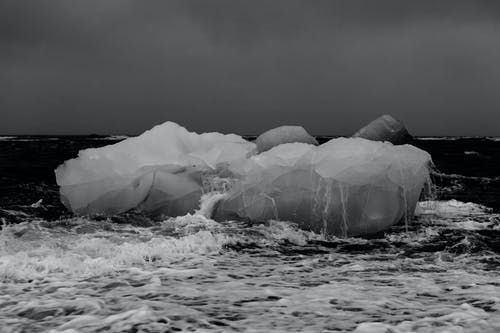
x=128, y=273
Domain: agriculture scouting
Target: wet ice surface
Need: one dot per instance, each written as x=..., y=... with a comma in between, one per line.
x=194, y=274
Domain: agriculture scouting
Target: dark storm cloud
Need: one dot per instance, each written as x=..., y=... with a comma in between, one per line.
x=244, y=66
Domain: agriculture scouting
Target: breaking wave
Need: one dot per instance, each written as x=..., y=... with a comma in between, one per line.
x=436, y=173
x=191, y=273
x=453, y=138
x=111, y=137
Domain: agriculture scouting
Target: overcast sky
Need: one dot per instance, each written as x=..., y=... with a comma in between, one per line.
x=122, y=66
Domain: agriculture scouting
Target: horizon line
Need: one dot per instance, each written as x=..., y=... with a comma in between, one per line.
x=243, y=135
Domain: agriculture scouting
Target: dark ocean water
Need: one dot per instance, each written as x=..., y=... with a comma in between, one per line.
x=131, y=274
x=467, y=169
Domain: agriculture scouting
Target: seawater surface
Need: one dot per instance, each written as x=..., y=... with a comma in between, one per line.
x=60, y=273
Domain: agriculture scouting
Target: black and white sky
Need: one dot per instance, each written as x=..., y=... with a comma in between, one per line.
x=122, y=66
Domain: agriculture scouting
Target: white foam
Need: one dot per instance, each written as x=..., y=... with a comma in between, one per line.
x=146, y=279
x=467, y=152
x=30, y=252
x=466, y=319
x=457, y=176
x=278, y=231
x=113, y=137
x=472, y=225
x=446, y=138
x=450, y=208
x=208, y=202
x=23, y=139
x=436, y=138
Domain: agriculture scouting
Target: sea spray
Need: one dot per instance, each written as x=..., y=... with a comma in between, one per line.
x=235, y=276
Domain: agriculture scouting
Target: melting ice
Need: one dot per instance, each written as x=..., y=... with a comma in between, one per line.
x=343, y=187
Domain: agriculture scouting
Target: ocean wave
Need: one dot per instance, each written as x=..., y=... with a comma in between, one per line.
x=30, y=252
x=454, y=138
x=450, y=208
x=193, y=273
x=436, y=138
x=457, y=215
x=466, y=318
x=28, y=139
x=458, y=176
x=37, y=138
x=111, y=137
x=446, y=138
x=470, y=152
x=80, y=247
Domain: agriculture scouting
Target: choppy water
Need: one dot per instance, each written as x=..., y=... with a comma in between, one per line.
x=130, y=274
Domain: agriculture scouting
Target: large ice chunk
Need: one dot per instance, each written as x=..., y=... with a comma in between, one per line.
x=385, y=128
x=283, y=134
x=343, y=187
x=158, y=171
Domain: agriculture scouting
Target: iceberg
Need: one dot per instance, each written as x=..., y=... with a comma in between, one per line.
x=283, y=134
x=385, y=128
x=345, y=187
x=158, y=172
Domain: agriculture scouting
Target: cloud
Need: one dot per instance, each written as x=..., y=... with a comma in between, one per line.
x=244, y=66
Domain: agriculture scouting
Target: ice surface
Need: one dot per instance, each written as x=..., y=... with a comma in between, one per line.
x=283, y=134
x=158, y=171
x=343, y=187
x=385, y=128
